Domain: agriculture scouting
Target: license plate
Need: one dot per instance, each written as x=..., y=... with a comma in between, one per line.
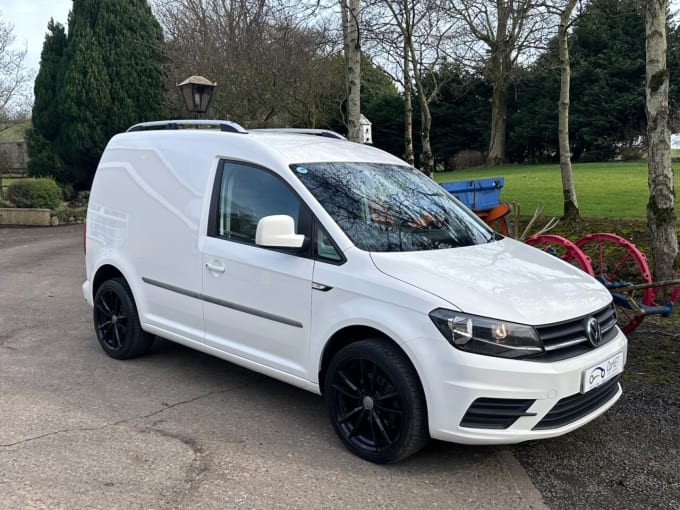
x=602, y=372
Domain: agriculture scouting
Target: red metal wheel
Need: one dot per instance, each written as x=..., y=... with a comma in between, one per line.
x=617, y=261
x=562, y=248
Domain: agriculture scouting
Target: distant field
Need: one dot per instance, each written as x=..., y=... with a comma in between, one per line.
x=15, y=133
x=607, y=190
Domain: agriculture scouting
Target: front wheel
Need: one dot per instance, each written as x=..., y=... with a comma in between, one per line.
x=375, y=401
x=117, y=323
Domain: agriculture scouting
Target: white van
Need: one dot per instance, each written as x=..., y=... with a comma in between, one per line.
x=338, y=268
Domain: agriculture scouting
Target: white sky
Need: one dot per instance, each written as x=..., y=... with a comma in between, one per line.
x=30, y=18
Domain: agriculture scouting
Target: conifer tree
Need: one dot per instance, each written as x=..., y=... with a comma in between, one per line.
x=106, y=76
x=46, y=115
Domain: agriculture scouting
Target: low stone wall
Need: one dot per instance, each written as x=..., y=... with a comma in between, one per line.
x=29, y=217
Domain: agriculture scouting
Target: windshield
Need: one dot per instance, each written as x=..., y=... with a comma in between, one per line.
x=384, y=207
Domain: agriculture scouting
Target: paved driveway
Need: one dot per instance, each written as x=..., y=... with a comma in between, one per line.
x=180, y=429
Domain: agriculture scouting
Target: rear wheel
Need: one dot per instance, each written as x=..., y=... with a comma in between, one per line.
x=117, y=323
x=375, y=401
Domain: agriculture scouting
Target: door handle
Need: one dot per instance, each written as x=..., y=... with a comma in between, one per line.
x=214, y=268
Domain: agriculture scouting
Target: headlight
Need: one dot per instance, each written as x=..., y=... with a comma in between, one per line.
x=490, y=337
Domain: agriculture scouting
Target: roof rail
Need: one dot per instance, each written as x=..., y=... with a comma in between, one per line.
x=303, y=131
x=222, y=125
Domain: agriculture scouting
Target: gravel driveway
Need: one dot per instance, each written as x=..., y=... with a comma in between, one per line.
x=181, y=429
x=630, y=457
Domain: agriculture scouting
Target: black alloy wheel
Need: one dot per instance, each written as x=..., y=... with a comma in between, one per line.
x=116, y=321
x=375, y=401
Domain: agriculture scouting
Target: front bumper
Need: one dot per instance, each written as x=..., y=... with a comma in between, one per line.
x=453, y=380
x=87, y=294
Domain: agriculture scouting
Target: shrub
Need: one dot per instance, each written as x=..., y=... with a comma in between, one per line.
x=80, y=199
x=467, y=159
x=67, y=191
x=70, y=214
x=631, y=154
x=42, y=193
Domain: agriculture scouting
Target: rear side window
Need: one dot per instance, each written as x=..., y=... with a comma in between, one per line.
x=246, y=195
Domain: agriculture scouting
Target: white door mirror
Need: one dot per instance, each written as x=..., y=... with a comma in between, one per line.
x=278, y=231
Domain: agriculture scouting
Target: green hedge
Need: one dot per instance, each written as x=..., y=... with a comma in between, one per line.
x=41, y=193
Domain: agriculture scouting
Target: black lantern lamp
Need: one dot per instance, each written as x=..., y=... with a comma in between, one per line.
x=197, y=92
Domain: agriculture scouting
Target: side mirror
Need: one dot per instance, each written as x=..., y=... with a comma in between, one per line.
x=278, y=231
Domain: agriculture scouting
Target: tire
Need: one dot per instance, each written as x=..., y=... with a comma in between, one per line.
x=375, y=401
x=116, y=321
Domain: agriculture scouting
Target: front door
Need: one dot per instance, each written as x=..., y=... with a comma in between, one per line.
x=257, y=301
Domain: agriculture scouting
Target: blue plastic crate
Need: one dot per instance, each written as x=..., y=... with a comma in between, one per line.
x=477, y=194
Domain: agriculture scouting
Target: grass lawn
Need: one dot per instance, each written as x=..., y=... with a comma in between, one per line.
x=607, y=190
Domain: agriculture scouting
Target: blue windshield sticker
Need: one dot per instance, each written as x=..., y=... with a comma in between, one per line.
x=301, y=170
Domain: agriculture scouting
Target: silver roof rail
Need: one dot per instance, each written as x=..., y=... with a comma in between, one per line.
x=303, y=131
x=222, y=125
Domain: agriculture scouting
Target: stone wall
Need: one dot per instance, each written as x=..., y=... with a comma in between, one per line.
x=31, y=217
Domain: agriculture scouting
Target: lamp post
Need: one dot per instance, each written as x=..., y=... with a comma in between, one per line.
x=197, y=92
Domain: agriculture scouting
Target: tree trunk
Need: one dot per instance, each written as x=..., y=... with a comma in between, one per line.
x=496, y=154
x=408, y=111
x=352, y=43
x=661, y=206
x=571, y=211
x=500, y=65
x=426, y=157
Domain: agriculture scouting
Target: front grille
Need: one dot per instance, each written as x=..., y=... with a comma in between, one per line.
x=570, y=409
x=495, y=413
x=568, y=339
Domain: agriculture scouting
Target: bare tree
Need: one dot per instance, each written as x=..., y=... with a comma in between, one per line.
x=350, y=12
x=14, y=78
x=661, y=206
x=272, y=68
x=500, y=33
x=421, y=31
x=392, y=45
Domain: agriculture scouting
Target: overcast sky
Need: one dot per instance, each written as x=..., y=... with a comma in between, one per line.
x=30, y=18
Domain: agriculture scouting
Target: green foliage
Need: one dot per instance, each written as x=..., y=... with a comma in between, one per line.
x=460, y=113
x=42, y=193
x=608, y=78
x=46, y=115
x=381, y=103
x=386, y=112
x=67, y=191
x=103, y=77
x=607, y=108
x=44, y=158
x=70, y=214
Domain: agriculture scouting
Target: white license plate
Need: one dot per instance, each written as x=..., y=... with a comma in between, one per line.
x=602, y=372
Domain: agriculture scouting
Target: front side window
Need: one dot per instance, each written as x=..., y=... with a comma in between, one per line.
x=247, y=194
x=385, y=207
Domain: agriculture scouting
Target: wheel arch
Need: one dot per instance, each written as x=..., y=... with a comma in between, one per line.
x=104, y=273
x=351, y=334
